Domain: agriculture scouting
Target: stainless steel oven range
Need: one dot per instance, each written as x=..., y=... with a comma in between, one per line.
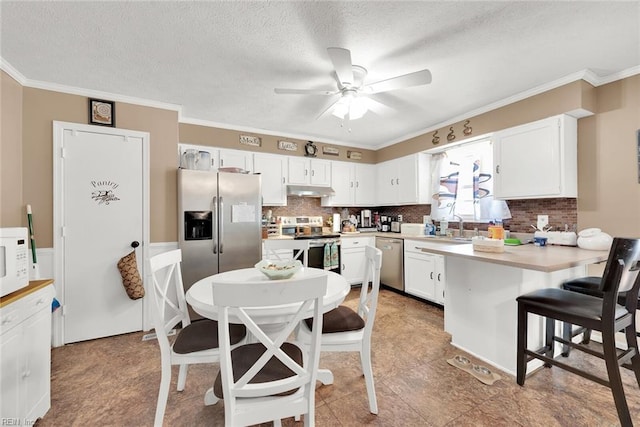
x=310, y=228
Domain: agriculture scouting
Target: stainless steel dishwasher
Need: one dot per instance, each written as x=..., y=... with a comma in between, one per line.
x=392, y=271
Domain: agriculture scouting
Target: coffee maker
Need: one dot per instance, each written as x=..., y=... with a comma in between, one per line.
x=365, y=219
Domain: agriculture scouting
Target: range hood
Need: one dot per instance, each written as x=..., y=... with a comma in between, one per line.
x=309, y=191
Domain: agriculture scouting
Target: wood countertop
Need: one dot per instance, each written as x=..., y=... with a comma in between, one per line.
x=33, y=286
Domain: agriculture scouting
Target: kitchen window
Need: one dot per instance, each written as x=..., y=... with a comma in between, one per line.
x=462, y=178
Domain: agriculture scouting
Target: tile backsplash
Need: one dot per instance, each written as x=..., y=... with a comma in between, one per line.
x=523, y=212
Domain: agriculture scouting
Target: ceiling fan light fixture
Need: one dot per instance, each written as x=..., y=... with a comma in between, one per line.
x=341, y=108
x=358, y=108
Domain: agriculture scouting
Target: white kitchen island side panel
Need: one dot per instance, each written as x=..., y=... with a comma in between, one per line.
x=481, y=312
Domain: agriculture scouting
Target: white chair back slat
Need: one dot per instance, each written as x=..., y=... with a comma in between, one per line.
x=272, y=246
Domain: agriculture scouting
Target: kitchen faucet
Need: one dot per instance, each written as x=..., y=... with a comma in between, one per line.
x=460, y=225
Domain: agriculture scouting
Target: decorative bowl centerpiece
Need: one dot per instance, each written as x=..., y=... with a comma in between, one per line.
x=278, y=270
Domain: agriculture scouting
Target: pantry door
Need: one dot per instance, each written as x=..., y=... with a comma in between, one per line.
x=100, y=210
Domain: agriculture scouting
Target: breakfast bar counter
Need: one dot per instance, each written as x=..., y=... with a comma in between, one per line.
x=481, y=290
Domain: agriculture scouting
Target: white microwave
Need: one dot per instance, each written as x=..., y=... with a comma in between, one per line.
x=14, y=259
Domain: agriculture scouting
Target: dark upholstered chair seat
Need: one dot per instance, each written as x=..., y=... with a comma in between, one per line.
x=203, y=335
x=340, y=319
x=245, y=356
x=568, y=306
x=590, y=285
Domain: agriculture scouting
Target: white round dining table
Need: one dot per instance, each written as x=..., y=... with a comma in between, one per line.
x=200, y=294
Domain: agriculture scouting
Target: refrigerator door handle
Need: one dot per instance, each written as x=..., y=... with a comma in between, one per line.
x=221, y=225
x=215, y=223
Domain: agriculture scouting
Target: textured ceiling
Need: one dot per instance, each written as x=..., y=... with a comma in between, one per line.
x=220, y=61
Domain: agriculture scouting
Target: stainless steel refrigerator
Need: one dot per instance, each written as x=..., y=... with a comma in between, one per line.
x=219, y=222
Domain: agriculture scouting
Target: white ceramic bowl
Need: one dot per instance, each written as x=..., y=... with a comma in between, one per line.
x=594, y=239
x=278, y=270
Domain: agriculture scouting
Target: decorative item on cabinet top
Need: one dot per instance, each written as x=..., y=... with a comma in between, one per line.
x=310, y=150
x=287, y=146
x=467, y=129
x=250, y=140
x=450, y=135
x=354, y=155
x=436, y=138
x=331, y=151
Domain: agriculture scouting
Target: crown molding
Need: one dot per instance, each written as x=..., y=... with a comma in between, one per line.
x=11, y=71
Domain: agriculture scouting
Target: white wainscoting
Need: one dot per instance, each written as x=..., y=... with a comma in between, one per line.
x=46, y=257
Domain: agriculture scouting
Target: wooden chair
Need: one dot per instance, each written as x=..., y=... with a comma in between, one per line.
x=600, y=314
x=299, y=250
x=346, y=330
x=269, y=379
x=196, y=342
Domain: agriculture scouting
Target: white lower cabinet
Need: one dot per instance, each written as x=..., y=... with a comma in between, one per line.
x=25, y=358
x=352, y=256
x=423, y=272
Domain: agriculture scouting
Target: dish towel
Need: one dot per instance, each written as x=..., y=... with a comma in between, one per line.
x=327, y=256
x=334, y=256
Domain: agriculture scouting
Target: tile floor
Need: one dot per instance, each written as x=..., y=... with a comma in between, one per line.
x=114, y=382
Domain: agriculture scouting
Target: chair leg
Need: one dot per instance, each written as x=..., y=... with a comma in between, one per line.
x=163, y=393
x=521, y=364
x=567, y=334
x=615, y=380
x=549, y=343
x=632, y=342
x=586, y=336
x=367, y=370
x=182, y=376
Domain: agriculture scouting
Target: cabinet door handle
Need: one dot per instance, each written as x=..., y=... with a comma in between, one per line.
x=221, y=162
x=306, y=172
x=398, y=181
x=497, y=168
x=357, y=184
x=439, y=274
x=313, y=173
x=351, y=184
x=391, y=181
x=431, y=275
x=283, y=179
x=343, y=267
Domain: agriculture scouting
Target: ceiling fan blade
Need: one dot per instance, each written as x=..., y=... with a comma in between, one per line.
x=304, y=92
x=327, y=111
x=378, y=107
x=412, y=79
x=341, y=59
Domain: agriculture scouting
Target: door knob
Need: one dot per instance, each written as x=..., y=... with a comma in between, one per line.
x=135, y=244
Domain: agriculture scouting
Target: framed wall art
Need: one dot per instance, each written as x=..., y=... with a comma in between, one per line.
x=102, y=112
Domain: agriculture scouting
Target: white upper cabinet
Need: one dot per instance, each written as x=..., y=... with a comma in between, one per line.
x=305, y=171
x=273, y=169
x=537, y=160
x=216, y=158
x=235, y=159
x=406, y=180
x=353, y=183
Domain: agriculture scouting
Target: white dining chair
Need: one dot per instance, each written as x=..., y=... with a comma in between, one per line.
x=274, y=249
x=343, y=329
x=271, y=378
x=195, y=342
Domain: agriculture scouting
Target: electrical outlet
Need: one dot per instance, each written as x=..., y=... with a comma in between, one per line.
x=399, y=218
x=543, y=221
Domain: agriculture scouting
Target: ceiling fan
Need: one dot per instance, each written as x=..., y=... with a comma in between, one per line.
x=354, y=102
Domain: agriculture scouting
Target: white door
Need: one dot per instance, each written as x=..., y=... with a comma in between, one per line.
x=101, y=207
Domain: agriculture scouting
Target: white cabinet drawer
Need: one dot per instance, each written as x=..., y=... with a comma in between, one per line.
x=357, y=242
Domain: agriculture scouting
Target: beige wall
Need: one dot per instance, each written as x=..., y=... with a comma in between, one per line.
x=224, y=138
x=12, y=212
x=608, y=188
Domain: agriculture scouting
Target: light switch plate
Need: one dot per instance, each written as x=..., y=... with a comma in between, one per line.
x=543, y=221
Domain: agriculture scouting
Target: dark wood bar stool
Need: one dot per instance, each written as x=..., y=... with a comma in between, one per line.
x=590, y=285
x=604, y=314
